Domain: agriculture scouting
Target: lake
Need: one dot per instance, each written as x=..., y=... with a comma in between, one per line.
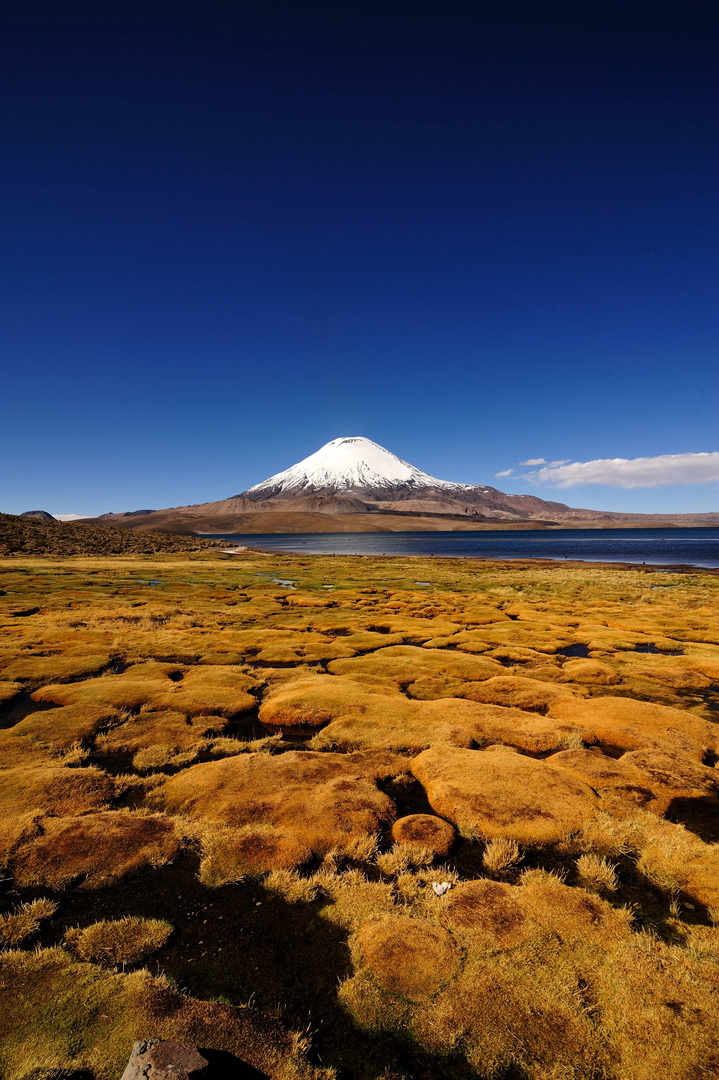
x=663, y=547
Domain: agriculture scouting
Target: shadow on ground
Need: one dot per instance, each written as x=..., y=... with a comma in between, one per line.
x=242, y=944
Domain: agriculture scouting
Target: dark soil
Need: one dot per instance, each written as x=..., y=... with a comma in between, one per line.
x=242, y=943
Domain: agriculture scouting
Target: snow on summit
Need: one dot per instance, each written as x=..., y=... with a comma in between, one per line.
x=350, y=464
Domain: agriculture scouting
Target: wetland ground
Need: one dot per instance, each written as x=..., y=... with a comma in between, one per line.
x=359, y=817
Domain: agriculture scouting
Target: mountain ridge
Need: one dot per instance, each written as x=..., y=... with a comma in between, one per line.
x=352, y=484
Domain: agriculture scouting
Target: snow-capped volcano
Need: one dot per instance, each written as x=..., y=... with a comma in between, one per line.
x=354, y=485
x=349, y=464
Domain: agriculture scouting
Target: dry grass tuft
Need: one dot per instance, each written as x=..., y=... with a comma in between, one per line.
x=501, y=855
x=392, y=862
x=118, y=941
x=605, y=835
x=353, y=899
x=228, y=746
x=23, y=922
x=291, y=886
x=361, y=848
x=596, y=874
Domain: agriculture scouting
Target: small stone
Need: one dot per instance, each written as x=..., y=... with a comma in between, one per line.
x=158, y=1059
x=440, y=888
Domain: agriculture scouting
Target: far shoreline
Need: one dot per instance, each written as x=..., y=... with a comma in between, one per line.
x=531, y=563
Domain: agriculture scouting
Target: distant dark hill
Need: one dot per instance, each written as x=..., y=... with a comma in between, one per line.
x=23, y=535
x=41, y=515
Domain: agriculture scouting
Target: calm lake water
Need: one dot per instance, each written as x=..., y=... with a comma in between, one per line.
x=663, y=547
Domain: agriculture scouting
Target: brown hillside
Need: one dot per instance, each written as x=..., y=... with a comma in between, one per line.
x=33, y=536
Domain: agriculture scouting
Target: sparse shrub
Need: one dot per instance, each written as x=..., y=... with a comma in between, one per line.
x=539, y=876
x=228, y=746
x=291, y=886
x=153, y=757
x=392, y=862
x=596, y=874
x=501, y=856
x=402, y=857
x=76, y=755
x=361, y=848
x=25, y=920
x=118, y=941
x=606, y=835
x=572, y=741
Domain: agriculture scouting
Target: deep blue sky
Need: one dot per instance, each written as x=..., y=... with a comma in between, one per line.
x=234, y=231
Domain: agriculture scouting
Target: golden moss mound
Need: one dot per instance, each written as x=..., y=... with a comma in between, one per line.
x=516, y=692
x=570, y=912
x=74, y=664
x=53, y=790
x=118, y=941
x=369, y=717
x=501, y=793
x=199, y=691
x=322, y=800
x=63, y=728
x=230, y=854
x=424, y=831
x=408, y=667
x=650, y=778
x=160, y=738
x=95, y=849
x=408, y=957
x=316, y=701
x=489, y=907
x=637, y=725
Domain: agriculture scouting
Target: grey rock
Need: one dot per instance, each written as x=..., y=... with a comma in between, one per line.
x=160, y=1059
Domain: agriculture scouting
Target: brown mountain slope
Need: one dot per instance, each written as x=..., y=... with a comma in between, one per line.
x=240, y=515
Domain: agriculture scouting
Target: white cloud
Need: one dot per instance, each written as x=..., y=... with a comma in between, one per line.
x=533, y=461
x=70, y=517
x=506, y=472
x=632, y=472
